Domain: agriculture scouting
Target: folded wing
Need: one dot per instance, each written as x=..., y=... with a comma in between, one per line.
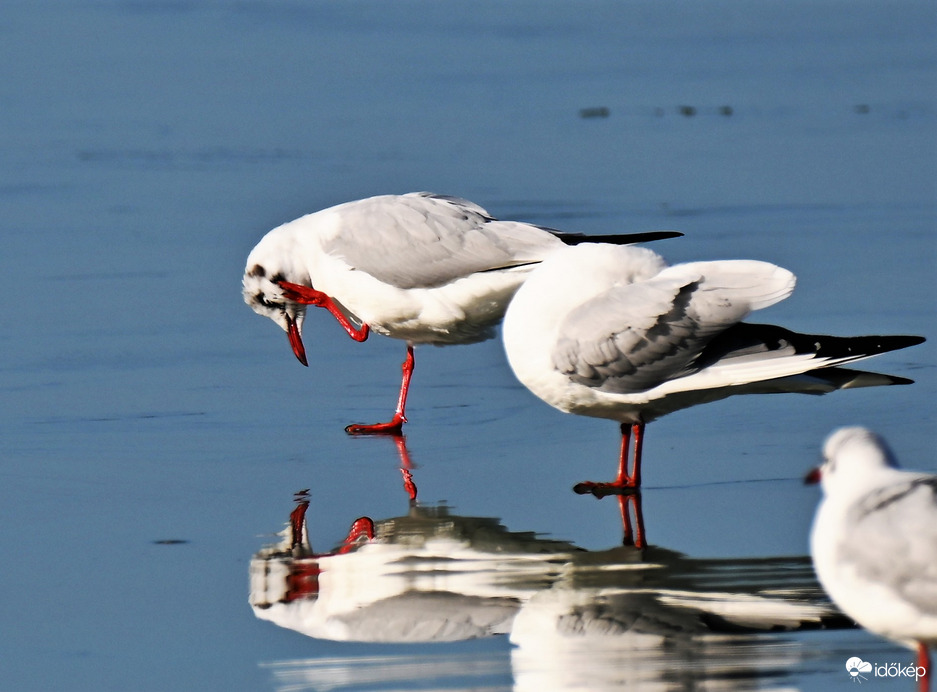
x=421, y=240
x=632, y=337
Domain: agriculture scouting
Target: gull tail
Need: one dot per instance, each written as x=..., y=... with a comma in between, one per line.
x=823, y=381
x=846, y=378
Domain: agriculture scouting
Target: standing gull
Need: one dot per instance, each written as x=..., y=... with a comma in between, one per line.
x=874, y=540
x=613, y=332
x=424, y=268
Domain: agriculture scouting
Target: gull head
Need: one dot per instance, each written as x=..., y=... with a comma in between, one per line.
x=263, y=293
x=853, y=458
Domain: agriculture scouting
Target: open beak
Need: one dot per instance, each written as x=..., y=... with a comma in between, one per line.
x=296, y=340
x=813, y=477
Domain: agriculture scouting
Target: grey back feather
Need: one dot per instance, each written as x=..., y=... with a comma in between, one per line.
x=635, y=336
x=425, y=241
x=894, y=537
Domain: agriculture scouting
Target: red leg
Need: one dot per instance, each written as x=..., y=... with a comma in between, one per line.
x=625, y=482
x=307, y=295
x=622, y=476
x=637, y=430
x=310, y=296
x=923, y=661
x=395, y=425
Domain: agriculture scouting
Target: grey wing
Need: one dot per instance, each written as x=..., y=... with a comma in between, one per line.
x=631, y=337
x=894, y=540
x=637, y=336
x=421, y=240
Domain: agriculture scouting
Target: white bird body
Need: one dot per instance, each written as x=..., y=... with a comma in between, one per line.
x=420, y=268
x=424, y=268
x=608, y=304
x=613, y=332
x=874, y=538
x=453, y=312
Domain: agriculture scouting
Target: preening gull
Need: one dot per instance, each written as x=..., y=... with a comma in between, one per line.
x=421, y=267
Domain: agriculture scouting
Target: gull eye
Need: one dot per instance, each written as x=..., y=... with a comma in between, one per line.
x=262, y=299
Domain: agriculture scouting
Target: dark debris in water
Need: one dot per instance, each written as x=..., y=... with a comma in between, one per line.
x=690, y=111
x=594, y=112
x=686, y=110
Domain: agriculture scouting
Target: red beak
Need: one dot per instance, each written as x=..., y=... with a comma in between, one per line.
x=813, y=477
x=296, y=341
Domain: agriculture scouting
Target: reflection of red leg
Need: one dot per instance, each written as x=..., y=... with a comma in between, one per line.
x=406, y=466
x=625, y=482
x=408, y=484
x=303, y=578
x=297, y=520
x=632, y=534
x=302, y=581
x=406, y=463
x=395, y=425
x=923, y=661
x=362, y=526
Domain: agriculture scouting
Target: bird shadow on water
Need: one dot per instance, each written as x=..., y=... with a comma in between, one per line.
x=632, y=614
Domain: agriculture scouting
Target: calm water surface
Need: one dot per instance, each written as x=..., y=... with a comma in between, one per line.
x=156, y=435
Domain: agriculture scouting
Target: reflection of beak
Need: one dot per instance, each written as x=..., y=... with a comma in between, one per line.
x=296, y=340
x=813, y=477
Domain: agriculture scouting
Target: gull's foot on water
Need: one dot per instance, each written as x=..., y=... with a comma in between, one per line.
x=601, y=490
x=392, y=427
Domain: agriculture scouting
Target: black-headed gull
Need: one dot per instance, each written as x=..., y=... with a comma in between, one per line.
x=874, y=540
x=613, y=332
x=425, y=268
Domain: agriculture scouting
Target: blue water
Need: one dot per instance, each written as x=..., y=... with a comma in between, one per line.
x=154, y=430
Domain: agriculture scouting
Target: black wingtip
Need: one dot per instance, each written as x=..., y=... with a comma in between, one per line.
x=847, y=347
x=617, y=238
x=882, y=344
x=745, y=338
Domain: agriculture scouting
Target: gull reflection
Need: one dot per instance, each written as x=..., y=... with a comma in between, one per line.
x=667, y=622
x=428, y=575
x=578, y=619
